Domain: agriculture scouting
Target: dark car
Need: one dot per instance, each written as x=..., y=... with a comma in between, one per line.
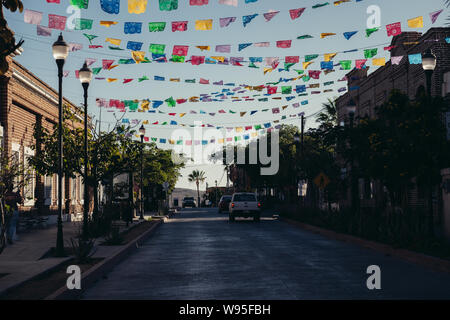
x=189, y=202
x=224, y=203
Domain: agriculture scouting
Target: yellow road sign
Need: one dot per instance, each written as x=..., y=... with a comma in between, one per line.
x=321, y=180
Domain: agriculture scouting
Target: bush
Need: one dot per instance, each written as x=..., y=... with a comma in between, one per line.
x=114, y=238
x=82, y=249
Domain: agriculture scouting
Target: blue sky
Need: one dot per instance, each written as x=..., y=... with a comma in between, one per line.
x=350, y=16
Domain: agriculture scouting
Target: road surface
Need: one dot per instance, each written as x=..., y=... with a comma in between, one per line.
x=200, y=255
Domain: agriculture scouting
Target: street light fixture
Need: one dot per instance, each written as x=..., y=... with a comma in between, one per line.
x=85, y=75
x=428, y=64
x=351, y=110
x=142, y=134
x=60, y=51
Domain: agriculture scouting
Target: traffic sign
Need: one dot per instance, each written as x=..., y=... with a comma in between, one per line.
x=321, y=180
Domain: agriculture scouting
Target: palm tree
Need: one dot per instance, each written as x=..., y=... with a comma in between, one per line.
x=197, y=177
x=328, y=115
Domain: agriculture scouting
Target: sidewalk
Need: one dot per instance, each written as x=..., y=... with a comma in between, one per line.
x=20, y=262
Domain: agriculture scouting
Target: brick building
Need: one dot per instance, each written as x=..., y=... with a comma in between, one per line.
x=25, y=100
x=371, y=91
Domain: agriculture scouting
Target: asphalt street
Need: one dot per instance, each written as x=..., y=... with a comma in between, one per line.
x=198, y=255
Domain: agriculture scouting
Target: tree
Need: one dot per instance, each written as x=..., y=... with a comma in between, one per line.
x=197, y=177
x=12, y=173
x=406, y=141
x=7, y=41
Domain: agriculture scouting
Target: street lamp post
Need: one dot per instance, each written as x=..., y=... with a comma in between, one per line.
x=351, y=109
x=215, y=195
x=60, y=51
x=429, y=64
x=85, y=75
x=142, y=134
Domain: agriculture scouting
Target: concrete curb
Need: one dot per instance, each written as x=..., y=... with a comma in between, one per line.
x=102, y=268
x=433, y=263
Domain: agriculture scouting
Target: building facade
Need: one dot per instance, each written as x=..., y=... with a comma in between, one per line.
x=26, y=101
x=370, y=91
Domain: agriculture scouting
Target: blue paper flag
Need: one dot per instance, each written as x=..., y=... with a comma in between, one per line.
x=132, y=27
x=134, y=46
x=110, y=6
x=247, y=19
x=242, y=46
x=156, y=103
x=328, y=65
x=415, y=58
x=349, y=34
x=300, y=89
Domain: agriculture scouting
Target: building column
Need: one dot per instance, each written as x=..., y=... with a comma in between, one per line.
x=4, y=103
x=39, y=188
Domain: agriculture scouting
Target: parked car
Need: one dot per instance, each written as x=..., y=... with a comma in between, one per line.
x=224, y=203
x=245, y=205
x=188, y=202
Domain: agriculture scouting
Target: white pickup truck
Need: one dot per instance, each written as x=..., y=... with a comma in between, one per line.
x=244, y=205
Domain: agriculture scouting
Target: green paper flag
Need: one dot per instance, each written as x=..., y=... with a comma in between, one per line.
x=263, y=99
x=299, y=71
x=171, y=102
x=156, y=26
x=115, y=48
x=189, y=80
x=237, y=138
x=370, y=53
x=90, y=37
x=306, y=36
x=96, y=70
x=131, y=104
x=319, y=5
x=82, y=4
x=310, y=57
x=157, y=48
x=287, y=66
x=231, y=111
x=258, y=127
x=286, y=89
x=83, y=24
x=252, y=65
x=346, y=64
x=370, y=31
x=177, y=58
x=154, y=139
x=143, y=78
x=306, y=78
x=168, y=5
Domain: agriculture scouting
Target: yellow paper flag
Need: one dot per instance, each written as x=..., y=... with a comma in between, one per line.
x=111, y=79
x=239, y=129
x=329, y=56
x=116, y=42
x=145, y=106
x=182, y=115
x=203, y=24
x=108, y=23
x=138, y=56
x=202, y=48
x=254, y=134
x=112, y=66
x=416, y=22
x=378, y=61
x=145, y=122
x=175, y=79
x=267, y=70
x=306, y=64
x=220, y=59
x=221, y=141
x=137, y=6
x=326, y=34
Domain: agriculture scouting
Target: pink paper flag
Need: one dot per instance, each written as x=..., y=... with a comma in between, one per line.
x=360, y=64
x=270, y=60
x=275, y=110
x=435, y=15
x=269, y=15
x=396, y=60
x=107, y=63
x=223, y=48
x=394, y=29
x=179, y=26
x=90, y=61
x=284, y=44
x=53, y=1
x=43, y=31
x=57, y=22
x=198, y=2
x=180, y=50
x=225, y=22
x=32, y=17
x=229, y=2
x=261, y=44
x=292, y=59
x=203, y=81
x=314, y=74
x=66, y=74
x=197, y=60
x=296, y=13
x=75, y=47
